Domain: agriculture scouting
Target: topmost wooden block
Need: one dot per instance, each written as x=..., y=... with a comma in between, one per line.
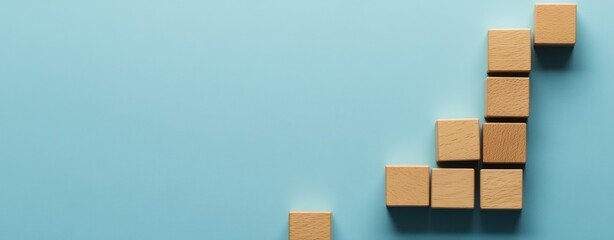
x=555, y=24
x=509, y=50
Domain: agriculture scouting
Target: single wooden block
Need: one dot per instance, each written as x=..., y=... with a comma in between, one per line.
x=452, y=187
x=407, y=185
x=555, y=24
x=505, y=142
x=507, y=97
x=501, y=189
x=458, y=139
x=509, y=50
x=310, y=225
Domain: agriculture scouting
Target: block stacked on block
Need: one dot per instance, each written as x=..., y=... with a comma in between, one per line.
x=507, y=97
x=407, y=185
x=501, y=188
x=458, y=140
x=309, y=225
x=555, y=24
x=505, y=143
x=453, y=188
x=509, y=50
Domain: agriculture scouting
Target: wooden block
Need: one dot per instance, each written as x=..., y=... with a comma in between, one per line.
x=505, y=143
x=507, y=97
x=310, y=225
x=458, y=139
x=407, y=185
x=509, y=50
x=501, y=189
x=452, y=188
x=555, y=24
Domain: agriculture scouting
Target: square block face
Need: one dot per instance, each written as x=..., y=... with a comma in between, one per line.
x=507, y=97
x=501, y=189
x=458, y=140
x=505, y=143
x=555, y=24
x=452, y=188
x=310, y=226
x=509, y=50
x=407, y=185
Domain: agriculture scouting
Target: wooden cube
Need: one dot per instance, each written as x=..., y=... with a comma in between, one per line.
x=458, y=139
x=309, y=225
x=507, y=97
x=452, y=188
x=509, y=50
x=505, y=143
x=407, y=185
x=501, y=189
x=555, y=24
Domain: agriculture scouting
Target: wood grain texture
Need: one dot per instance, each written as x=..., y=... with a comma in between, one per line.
x=505, y=143
x=555, y=24
x=507, y=97
x=509, y=50
x=407, y=185
x=458, y=139
x=309, y=225
x=501, y=188
x=452, y=188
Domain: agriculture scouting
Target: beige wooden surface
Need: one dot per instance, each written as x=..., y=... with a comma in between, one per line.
x=407, y=185
x=507, y=97
x=458, y=139
x=452, y=187
x=509, y=50
x=505, y=143
x=555, y=24
x=501, y=188
x=305, y=225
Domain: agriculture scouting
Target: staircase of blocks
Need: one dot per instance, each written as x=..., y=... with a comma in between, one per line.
x=497, y=151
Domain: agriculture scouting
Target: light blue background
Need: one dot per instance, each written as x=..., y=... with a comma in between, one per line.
x=212, y=119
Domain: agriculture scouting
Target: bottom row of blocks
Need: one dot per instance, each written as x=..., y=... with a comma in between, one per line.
x=453, y=187
x=413, y=186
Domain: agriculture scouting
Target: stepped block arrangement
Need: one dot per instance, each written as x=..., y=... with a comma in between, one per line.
x=555, y=24
x=453, y=188
x=509, y=50
x=507, y=97
x=505, y=143
x=458, y=140
x=407, y=185
x=501, y=188
x=310, y=225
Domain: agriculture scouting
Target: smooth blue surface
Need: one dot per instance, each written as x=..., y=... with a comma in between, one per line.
x=213, y=119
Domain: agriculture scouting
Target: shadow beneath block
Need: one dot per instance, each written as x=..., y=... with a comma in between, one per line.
x=508, y=74
x=500, y=221
x=553, y=57
x=502, y=166
x=410, y=219
x=458, y=164
x=511, y=120
x=452, y=220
